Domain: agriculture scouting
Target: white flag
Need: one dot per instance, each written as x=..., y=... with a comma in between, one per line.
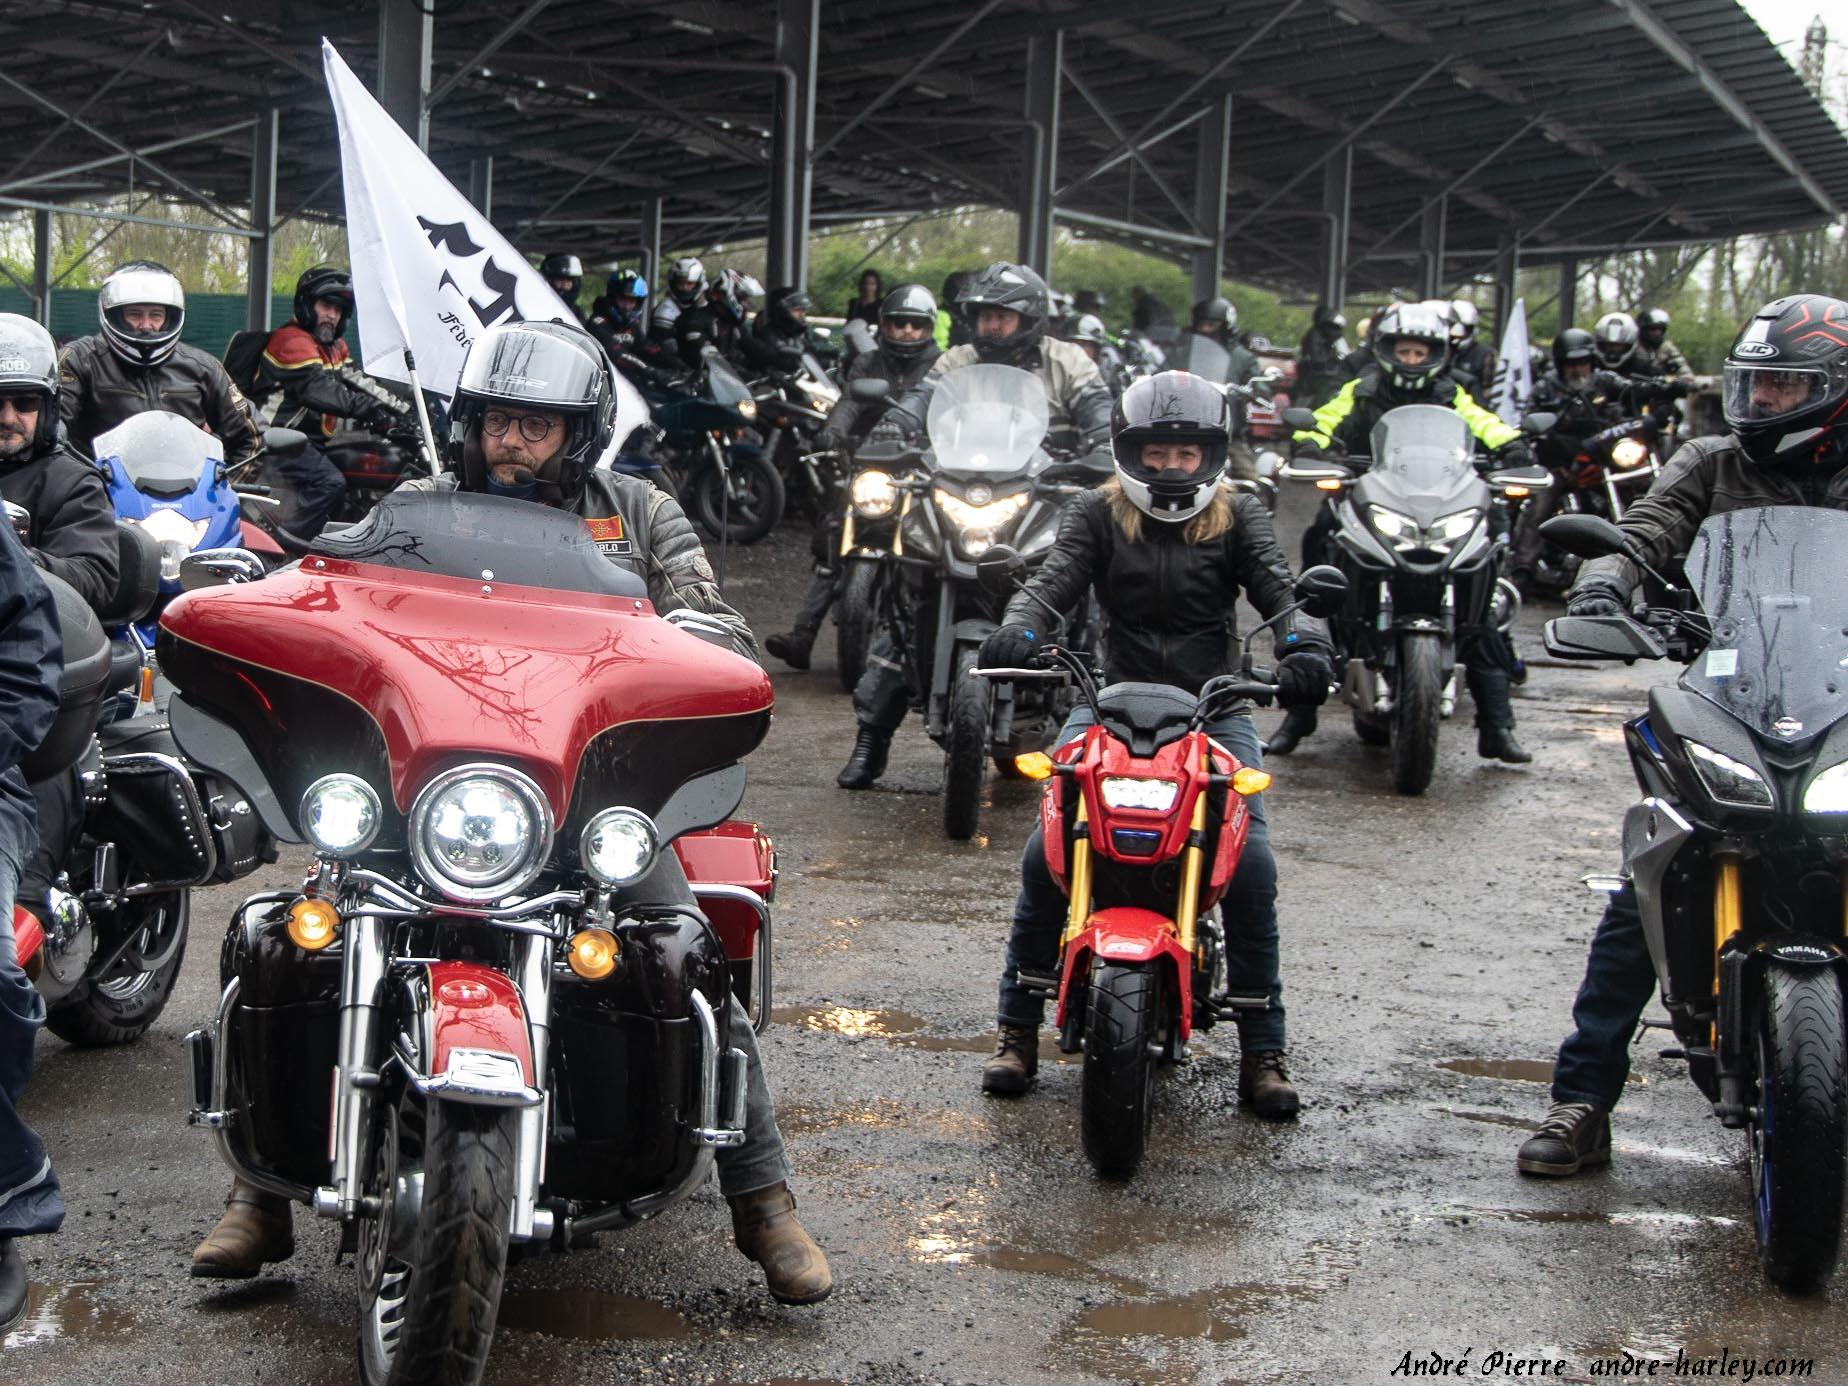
x=429, y=271
x=1514, y=368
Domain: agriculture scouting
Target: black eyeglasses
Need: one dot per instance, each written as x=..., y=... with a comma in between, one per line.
x=534, y=428
x=23, y=404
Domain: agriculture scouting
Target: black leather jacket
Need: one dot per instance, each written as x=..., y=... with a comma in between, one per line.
x=850, y=418
x=73, y=532
x=98, y=390
x=1168, y=604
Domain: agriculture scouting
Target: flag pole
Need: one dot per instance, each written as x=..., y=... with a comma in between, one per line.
x=431, y=456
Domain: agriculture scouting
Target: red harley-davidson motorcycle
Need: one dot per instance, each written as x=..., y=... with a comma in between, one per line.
x=497, y=1011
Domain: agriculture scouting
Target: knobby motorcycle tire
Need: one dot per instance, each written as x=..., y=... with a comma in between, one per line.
x=1418, y=692
x=746, y=521
x=1122, y=1028
x=119, y=1008
x=965, y=749
x=1799, y=1145
x=856, y=615
x=462, y=1238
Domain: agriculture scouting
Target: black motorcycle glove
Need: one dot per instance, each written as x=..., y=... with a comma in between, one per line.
x=1010, y=647
x=1509, y=456
x=1303, y=678
x=1598, y=597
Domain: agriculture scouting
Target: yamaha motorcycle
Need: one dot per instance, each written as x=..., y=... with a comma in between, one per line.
x=1737, y=853
x=496, y=972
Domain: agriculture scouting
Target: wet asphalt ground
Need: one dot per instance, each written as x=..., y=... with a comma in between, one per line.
x=1431, y=948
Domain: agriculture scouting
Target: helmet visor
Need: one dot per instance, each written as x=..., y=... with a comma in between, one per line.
x=527, y=368
x=1755, y=396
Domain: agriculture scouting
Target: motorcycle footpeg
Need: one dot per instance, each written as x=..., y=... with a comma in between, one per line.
x=1229, y=1006
x=1036, y=985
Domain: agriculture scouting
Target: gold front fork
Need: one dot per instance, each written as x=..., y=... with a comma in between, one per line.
x=1193, y=858
x=1080, y=909
x=1728, y=916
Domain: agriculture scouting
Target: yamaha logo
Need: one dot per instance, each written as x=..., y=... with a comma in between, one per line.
x=1754, y=351
x=1787, y=726
x=979, y=494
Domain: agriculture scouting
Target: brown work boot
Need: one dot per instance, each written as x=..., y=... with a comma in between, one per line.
x=1263, y=1083
x=1016, y=1062
x=256, y=1228
x=765, y=1229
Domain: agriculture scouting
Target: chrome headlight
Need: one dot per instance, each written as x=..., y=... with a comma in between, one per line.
x=1125, y=792
x=1727, y=780
x=176, y=535
x=747, y=407
x=341, y=815
x=619, y=846
x=480, y=832
x=874, y=495
x=1828, y=792
x=1628, y=453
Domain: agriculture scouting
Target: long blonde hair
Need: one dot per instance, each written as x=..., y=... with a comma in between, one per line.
x=1210, y=524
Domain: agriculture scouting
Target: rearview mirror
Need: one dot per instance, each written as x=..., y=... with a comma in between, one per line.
x=1000, y=569
x=284, y=442
x=1322, y=590
x=1536, y=424
x=1588, y=536
x=1299, y=418
x=869, y=390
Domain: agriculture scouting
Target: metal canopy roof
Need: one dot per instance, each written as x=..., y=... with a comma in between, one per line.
x=1582, y=128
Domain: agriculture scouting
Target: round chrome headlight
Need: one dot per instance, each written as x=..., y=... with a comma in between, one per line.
x=619, y=846
x=480, y=832
x=340, y=815
x=873, y=495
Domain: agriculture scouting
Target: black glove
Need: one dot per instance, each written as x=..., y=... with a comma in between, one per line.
x=1511, y=455
x=1597, y=597
x=1010, y=647
x=1303, y=678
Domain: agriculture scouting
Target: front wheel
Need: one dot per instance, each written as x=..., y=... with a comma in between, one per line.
x=856, y=616
x=1122, y=1032
x=965, y=749
x=1417, y=708
x=1798, y=1140
x=428, y=1320
x=119, y=1006
x=744, y=500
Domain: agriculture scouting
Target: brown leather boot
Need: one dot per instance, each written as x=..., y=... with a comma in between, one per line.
x=256, y=1227
x=1016, y=1061
x=1263, y=1083
x=765, y=1229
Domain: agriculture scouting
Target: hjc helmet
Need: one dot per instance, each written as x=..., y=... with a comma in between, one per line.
x=1172, y=407
x=29, y=365
x=626, y=283
x=1015, y=287
x=1616, y=334
x=1652, y=326
x=1574, y=346
x=561, y=266
x=908, y=303
x=141, y=281
x=788, y=308
x=323, y=281
x=686, y=268
x=1411, y=322
x=1784, y=389
x=551, y=366
x=1221, y=312
x=1463, y=320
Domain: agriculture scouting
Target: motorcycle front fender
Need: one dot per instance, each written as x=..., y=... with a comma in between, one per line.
x=477, y=1045
x=1129, y=934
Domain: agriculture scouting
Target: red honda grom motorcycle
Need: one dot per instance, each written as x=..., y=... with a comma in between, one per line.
x=496, y=1011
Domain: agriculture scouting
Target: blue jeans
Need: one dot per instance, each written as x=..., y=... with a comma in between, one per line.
x=1249, y=910
x=29, y=1197
x=1619, y=980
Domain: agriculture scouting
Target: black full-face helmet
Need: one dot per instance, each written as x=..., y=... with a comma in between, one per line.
x=908, y=303
x=789, y=308
x=1617, y=337
x=1411, y=322
x=1652, y=327
x=1574, y=346
x=133, y=284
x=560, y=268
x=1170, y=407
x=1222, y=313
x=29, y=366
x=1784, y=388
x=550, y=366
x=1015, y=287
x=323, y=281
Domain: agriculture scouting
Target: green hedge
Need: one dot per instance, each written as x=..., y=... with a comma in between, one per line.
x=211, y=319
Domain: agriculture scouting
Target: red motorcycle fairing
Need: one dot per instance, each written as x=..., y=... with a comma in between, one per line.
x=450, y=670
x=28, y=936
x=731, y=854
x=477, y=1044
x=1129, y=934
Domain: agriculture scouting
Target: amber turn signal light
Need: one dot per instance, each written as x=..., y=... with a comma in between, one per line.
x=1248, y=781
x=593, y=953
x=1035, y=765
x=1328, y=483
x=1516, y=492
x=313, y=924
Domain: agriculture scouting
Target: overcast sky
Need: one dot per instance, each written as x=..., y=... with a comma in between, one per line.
x=1786, y=20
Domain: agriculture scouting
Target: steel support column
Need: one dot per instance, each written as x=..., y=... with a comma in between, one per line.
x=651, y=245
x=261, y=256
x=1040, y=149
x=1338, y=208
x=405, y=29
x=792, y=141
x=1568, y=293
x=1507, y=265
x=481, y=184
x=41, y=266
x=1212, y=174
x=1431, y=245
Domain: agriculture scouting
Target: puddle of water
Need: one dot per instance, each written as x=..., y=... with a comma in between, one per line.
x=1595, y=1217
x=1195, y=1316
x=1054, y=1263
x=848, y=1022
x=69, y=1310
x=589, y=1314
x=1490, y=1118
x=1511, y=1070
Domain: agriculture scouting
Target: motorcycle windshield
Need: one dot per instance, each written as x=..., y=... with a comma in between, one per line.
x=162, y=453
x=1424, y=448
x=1201, y=356
x=986, y=418
x=723, y=383
x=1770, y=581
x=487, y=539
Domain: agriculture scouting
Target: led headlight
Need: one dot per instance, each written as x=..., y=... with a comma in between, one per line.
x=480, y=832
x=1124, y=792
x=1454, y=526
x=340, y=815
x=619, y=846
x=1828, y=792
x=1628, y=453
x=873, y=495
x=979, y=524
x=1728, y=780
x=1392, y=525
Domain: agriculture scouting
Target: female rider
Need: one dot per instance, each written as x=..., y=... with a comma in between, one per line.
x=1168, y=549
